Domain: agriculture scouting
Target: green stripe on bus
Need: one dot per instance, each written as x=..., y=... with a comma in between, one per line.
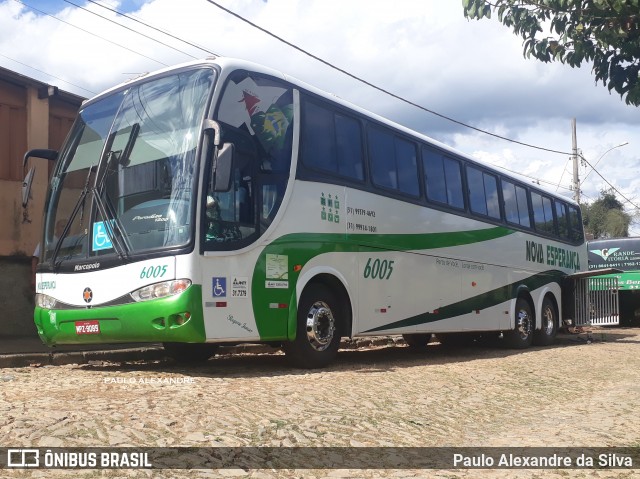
x=277, y=324
x=476, y=303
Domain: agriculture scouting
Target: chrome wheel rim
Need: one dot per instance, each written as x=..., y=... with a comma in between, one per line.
x=320, y=326
x=548, y=321
x=523, y=324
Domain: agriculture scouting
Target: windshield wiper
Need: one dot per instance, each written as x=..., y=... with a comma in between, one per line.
x=113, y=226
x=80, y=203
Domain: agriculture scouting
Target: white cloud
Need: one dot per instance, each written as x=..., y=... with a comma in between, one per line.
x=423, y=50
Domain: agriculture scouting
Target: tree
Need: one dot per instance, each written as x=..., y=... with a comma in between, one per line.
x=604, y=32
x=605, y=217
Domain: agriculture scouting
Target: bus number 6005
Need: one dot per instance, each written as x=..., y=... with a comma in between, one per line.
x=153, y=272
x=377, y=269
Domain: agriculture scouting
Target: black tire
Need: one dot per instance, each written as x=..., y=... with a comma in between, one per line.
x=546, y=335
x=417, y=341
x=190, y=352
x=456, y=340
x=521, y=337
x=319, y=327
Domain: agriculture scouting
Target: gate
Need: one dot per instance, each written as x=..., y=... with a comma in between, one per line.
x=596, y=301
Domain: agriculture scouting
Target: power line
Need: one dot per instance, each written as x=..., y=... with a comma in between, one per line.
x=607, y=182
x=164, y=32
x=563, y=172
x=130, y=29
x=48, y=74
x=90, y=33
x=380, y=89
x=534, y=178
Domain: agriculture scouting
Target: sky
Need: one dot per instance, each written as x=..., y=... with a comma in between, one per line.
x=421, y=50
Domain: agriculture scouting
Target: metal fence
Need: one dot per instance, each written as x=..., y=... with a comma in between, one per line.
x=596, y=301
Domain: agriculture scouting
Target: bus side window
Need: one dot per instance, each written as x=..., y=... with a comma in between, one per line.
x=382, y=158
x=542, y=213
x=349, y=147
x=332, y=142
x=407, y=164
x=483, y=193
x=576, y=232
x=562, y=219
x=516, y=205
x=443, y=178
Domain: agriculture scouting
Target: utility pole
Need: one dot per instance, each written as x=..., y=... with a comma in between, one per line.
x=576, y=179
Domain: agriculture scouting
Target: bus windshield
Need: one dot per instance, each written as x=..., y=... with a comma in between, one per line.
x=125, y=181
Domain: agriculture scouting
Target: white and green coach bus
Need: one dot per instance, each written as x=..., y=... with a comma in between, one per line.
x=221, y=202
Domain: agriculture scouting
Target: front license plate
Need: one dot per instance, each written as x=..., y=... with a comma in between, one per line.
x=88, y=327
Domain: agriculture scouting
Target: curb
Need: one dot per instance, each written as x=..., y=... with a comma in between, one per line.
x=19, y=360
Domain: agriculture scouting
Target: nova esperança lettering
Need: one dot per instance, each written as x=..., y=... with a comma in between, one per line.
x=552, y=255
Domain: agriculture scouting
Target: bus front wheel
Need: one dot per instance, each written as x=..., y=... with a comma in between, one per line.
x=318, y=329
x=521, y=336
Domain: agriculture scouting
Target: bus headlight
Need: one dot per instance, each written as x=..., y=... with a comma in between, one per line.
x=45, y=301
x=161, y=290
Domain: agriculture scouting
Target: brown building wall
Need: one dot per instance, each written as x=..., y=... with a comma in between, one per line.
x=32, y=115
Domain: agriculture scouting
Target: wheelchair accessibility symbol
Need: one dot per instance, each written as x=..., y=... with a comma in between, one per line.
x=101, y=239
x=219, y=287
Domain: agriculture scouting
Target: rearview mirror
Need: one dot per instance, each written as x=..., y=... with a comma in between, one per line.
x=50, y=155
x=222, y=168
x=26, y=186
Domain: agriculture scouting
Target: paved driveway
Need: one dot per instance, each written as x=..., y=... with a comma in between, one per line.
x=572, y=394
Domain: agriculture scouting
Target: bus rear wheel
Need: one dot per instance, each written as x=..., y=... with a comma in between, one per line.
x=190, y=352
x=546, y=335
x=417, y=341
x=318, y=329
x=521, y=336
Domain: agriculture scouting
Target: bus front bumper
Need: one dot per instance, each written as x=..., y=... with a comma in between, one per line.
x=175, y=318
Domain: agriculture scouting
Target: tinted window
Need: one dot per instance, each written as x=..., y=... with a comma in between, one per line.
x=483, y=193
x=332, y=142
x=542, y=213
x=349, y=147
x=563, y=220
x=319, y=131
x=575, y=224
x=510, y=202
x=443, y=178
x=516, y=207
x=407, y=163
x=523, y=206
x=382, y=157
x=491, y=191
x=393, y=162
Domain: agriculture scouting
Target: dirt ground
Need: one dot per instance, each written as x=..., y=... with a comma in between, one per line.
x=577, y=393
